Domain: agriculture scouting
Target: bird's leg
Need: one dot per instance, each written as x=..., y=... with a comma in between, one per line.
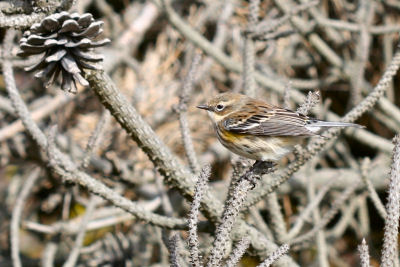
x=258, y=169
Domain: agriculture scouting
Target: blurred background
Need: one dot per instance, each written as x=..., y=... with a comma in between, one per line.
x=341, y=48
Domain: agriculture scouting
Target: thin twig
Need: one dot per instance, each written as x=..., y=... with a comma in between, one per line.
x=277, y=221
x=74, y=254
x=389, y=250
x=237, y=252
x=95, y=138
x=371, y=190
x=275, y=256
x=312, y=99
x=16, y=215
x=364, y=253
x=249, y=51
x=173, y=248
x=186, y=92
x=193, y=240
x=49, y=254
x=366, y=14
x=320, y=235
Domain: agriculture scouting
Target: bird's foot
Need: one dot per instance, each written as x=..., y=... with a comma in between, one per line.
x=258, y=169
x=263, y=167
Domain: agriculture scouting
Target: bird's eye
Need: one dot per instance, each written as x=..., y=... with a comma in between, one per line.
x=220, y=107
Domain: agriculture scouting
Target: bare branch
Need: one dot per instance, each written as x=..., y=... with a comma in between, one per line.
x=237, y=252
x=389, y=250
x=364, y=253
x=193, y=241
x=275, y=256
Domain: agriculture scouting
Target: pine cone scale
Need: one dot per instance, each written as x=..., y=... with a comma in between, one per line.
x=84, y=43
x=85, y=20
x=58, y=55
x=70, y=26
x=39, y=40
x=47, y=71
x=87, y=55
x=91, y=66
x=70, y=65
x=50, y=24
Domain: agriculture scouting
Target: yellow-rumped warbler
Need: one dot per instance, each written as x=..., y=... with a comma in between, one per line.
x=257, y=130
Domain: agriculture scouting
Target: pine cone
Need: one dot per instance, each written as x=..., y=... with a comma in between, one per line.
x=67, y=43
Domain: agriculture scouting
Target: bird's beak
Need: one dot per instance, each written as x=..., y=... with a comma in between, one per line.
x=203, y=106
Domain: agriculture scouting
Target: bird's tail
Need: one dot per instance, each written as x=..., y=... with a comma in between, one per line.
x=317, y=126
x=334, y=124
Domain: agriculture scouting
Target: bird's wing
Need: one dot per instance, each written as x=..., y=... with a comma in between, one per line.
x=269, y=121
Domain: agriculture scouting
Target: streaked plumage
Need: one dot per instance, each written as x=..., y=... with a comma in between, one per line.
x=260, y=131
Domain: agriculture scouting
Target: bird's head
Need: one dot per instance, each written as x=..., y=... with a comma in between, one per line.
x=223, y=104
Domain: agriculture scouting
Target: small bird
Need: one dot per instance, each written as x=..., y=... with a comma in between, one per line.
x=256, y=130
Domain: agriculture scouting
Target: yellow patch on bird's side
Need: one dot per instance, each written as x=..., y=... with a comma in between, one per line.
x=229, y=136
